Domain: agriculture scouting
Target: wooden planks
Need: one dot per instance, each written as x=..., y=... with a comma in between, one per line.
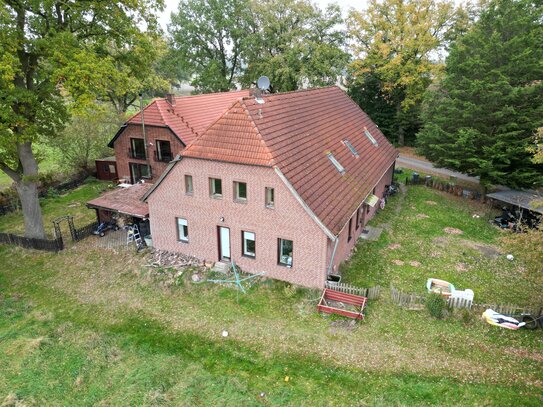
x=349, y=299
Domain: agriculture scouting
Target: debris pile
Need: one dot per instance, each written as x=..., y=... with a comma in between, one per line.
x=163, y=258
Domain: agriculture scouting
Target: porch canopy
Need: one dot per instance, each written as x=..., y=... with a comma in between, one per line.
x=523, y=199
x=124, y=200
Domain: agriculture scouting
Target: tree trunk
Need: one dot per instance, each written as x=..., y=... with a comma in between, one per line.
x=27, y=188
x=28, y=194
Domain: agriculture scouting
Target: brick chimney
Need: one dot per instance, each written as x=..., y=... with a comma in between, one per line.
x=170, y=98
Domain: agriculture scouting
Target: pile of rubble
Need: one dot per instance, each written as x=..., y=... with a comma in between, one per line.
x=162, y=258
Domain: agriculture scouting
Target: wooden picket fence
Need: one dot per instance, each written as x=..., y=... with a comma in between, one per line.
x=415, y=302
x=409, y=301
x=85, y=231
x=53, y=245
x=370, y=293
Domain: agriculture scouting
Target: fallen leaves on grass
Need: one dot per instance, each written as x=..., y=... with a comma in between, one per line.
x=422, y=216
x=431, y=202
x=398, y=262
x=414, y=263
x=461, y=267
x=394, y=246
x=453, y=231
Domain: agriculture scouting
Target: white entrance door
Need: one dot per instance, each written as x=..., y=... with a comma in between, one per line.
x=224, y=243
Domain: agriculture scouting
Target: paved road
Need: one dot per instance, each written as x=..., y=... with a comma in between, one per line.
x=425, y=166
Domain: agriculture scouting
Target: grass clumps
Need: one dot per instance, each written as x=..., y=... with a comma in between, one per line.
x=436, y=305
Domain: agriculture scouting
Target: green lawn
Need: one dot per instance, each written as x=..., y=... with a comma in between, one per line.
x=90, y=326
x=417, y=233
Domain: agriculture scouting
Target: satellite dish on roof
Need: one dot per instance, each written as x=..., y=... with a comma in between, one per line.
x=263, y=83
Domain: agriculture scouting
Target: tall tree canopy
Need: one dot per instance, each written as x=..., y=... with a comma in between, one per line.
x=295, y=43
x=481, y=117
x=38, y=39
x=208, y=37
x=395, y=45
x=232, y=42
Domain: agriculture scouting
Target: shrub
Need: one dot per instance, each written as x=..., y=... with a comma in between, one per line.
x=436, y=305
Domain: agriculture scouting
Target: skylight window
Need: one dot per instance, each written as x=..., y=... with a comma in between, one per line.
x=350, y=147
x=336, y=163
x=370, y=137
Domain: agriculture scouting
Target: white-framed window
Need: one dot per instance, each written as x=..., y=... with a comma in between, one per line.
x=137, y=148
x=188, y=185
x=370, y=137
x=182, y=229
x=336, y=163
x=240, y=191
x=215, y=187
x=285, y=248
x=249, y=244
x=269, y=197
x=163, y=150
x=351, y=148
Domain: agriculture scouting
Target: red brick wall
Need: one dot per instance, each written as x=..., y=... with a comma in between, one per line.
x=345, y=247
x=287, y=220
x=152, y=133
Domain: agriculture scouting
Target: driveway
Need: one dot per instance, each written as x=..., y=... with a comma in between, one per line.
x=428, y=167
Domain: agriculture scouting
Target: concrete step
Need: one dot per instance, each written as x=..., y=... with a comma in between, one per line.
x=221, y=267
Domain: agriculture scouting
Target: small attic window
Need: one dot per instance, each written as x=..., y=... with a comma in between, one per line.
x=336, y=163
x=370, y=137
x=351, y=148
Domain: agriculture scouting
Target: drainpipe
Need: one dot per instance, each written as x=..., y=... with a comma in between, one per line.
x=333, y=255
x=143, y=127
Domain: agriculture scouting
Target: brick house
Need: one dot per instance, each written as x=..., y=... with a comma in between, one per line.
x=170, y=125
x=281, y=184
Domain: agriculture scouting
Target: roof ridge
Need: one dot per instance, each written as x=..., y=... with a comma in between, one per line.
x=210, y=94
x=218, y=118
x=255, y=126
x=249, y=97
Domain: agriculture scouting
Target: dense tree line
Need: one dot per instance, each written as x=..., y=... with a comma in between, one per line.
x=63, y=65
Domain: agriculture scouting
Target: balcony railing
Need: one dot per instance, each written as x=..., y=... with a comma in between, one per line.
x=138, y=155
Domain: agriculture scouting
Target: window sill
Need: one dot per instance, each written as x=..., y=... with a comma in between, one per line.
x=285, y=265
x=189, y=193
x=240, y=201
x=269, y=206
x=215, y=196
x=248, y=256
x=183, y=241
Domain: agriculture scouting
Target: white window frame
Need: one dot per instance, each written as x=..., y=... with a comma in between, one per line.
x=212, y=188
x=285, y=259
x=336, y=163
x=269, y=203
x=182, y=236
x=351, y=148
x=236, y=191
x=187, y=177
x=370, y=137
x=246, y=236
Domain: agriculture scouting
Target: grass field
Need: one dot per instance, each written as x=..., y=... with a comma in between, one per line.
x=416, y=235
x=96, y=327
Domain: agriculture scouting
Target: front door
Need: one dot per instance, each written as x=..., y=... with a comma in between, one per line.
x=224, y=243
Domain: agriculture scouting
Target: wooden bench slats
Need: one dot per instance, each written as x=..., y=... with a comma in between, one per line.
x=349, y=299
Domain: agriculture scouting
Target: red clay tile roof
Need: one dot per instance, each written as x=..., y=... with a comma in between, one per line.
x=190, y=116
x=233, y=138
x=124, y=200
x=294, y=131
